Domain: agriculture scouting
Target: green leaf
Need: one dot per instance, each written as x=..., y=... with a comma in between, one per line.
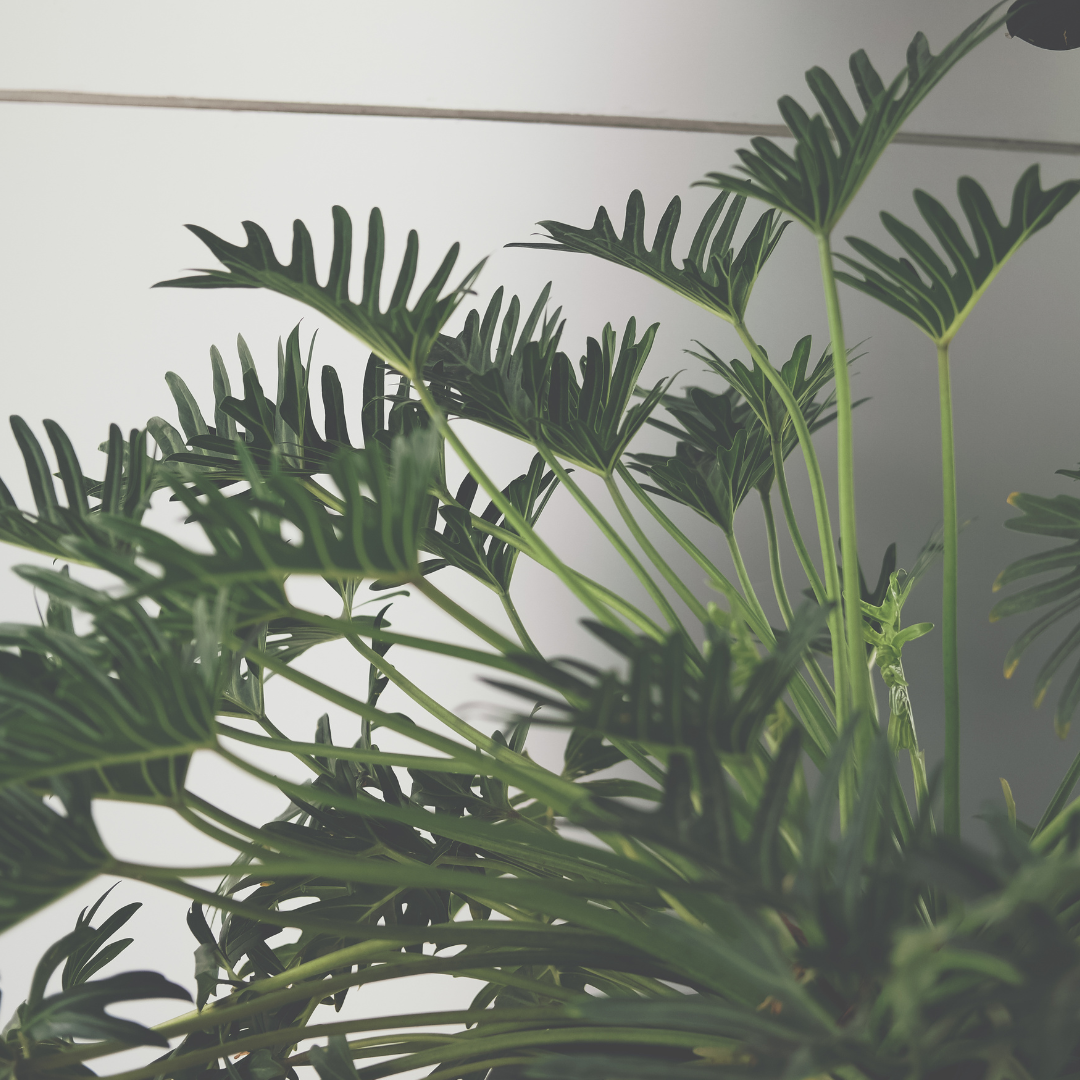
x=714, y=275
x=122, y=694
x=44, y=854
x=385, y=505
x=1057, y=517
x=816, y=184
x=937, y=300
x=528, y=389
x=79, y=1012
x=664, y=701
x=130, y=479
x=399, y=335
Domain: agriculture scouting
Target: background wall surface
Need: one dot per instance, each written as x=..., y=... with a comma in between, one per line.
x=92, y=201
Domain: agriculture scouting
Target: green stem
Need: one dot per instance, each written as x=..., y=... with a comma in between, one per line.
x=614, y=539
x=519, y=627
x=949, y=631
x=654, y=556
x=809, y=569
x=775, y=569
x=744, y=580
x=466, y=618
x=849, y=546
x=818, y=724
x=816, y=674
x=841, y=662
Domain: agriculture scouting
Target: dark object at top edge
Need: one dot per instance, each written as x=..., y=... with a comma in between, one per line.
x=1046, y=24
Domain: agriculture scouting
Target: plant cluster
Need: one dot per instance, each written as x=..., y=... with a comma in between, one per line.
x=762, y=900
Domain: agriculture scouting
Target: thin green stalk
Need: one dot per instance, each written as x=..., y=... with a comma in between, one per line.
x=809, y=569
x=817, y=722
x=519, y=627
x=849, y=546
x=424, y=700
x=615, y=540
x=654, y=556
x=466, y=618
x=716, y=578
x=812, y=666
x=841, y=661
x=369, y=712
x=949, y=630
x=775, y=569
x=744, y=579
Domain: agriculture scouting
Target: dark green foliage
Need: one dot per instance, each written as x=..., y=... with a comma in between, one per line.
x=399, y=335
x=713, y=275
x=487, y=558
x=44, y=854
x=129, y=481
x=374, y=536
x=939, y=300
x=666, y=700
x=528, y=389
x=78, y=1010
x=122, y=694
x=1057, y=517
x=816, y=184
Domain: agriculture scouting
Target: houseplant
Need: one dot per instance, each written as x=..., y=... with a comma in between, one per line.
x=729, y=917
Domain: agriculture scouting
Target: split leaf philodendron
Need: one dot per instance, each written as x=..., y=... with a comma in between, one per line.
x=726, y=876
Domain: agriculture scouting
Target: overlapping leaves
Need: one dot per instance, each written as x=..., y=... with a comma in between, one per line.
x=939, y=299
x=666, y=700
x=125, y=693
x=125, y=492
x=491, y=560
x=528, y=389
x=384, y=507
x=817, y=183
x=400, y=335
x=713, y=274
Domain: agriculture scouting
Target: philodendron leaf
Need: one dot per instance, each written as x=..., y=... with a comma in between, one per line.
x=123, y=694
x=44, y=854
x=384, y=507
x=835, y=150
x=713, y=275
x=664, y=701
x=79, y=1012
x=400, y=335
x=527, y=388
x=939, y=299
x=1057, y=517
x=130, y=479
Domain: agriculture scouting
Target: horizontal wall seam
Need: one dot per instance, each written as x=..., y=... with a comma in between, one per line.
x=650, y=123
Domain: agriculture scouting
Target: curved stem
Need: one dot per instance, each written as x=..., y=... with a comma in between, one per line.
x=809, y=569
x=745, y=582
x=821, y=513
x=949, y=631
x=782, y=599
x=615, y=540
x=519, y=627
x=654, y=556
x=775, y=570
x=466, y=618
x=845, y=453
